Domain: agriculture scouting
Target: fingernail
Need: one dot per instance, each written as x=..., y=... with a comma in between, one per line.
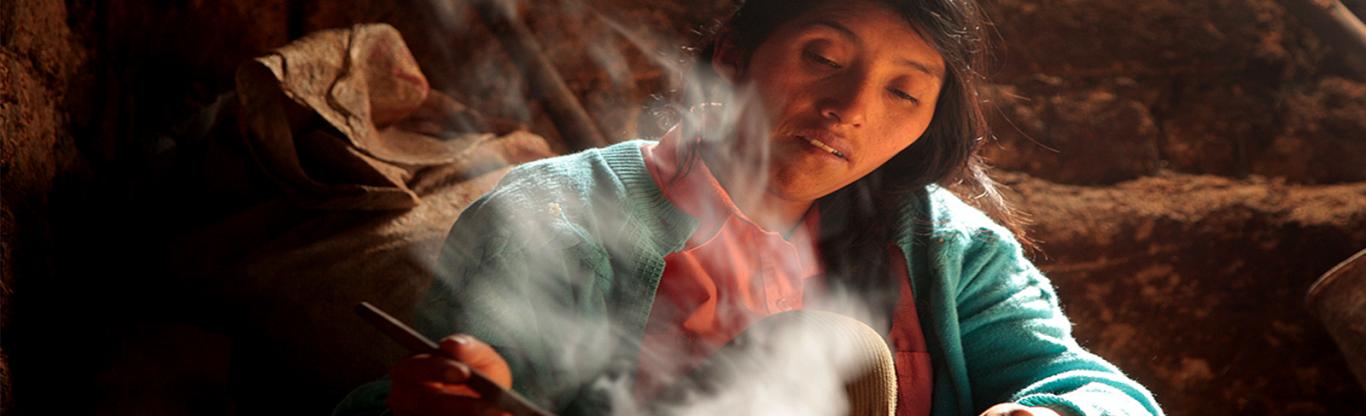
x=457, y=375
x=462, y=339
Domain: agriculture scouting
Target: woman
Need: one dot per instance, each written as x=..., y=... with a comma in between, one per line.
x=630, y=264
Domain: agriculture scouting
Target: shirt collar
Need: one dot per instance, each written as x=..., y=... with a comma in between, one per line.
x=690, y=185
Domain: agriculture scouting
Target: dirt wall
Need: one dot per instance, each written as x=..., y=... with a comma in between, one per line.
x=40, y=64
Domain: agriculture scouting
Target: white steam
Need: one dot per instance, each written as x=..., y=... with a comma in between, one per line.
x=800, y=370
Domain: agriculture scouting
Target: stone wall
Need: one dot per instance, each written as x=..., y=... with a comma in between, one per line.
x=1191, y=168
x=1100, y=92
x=40, y=64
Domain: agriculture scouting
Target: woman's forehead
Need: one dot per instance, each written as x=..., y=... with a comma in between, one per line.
x=874, y=25
x=855, y=10
x=857, y=19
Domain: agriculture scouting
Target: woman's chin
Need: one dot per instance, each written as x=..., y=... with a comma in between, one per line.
x=801, y=186
x=808, y=175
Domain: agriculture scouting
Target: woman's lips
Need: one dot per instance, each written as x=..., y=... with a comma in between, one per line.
x=824, y=140
x=821, y=145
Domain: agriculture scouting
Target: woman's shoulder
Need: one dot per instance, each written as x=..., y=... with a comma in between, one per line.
x=584, y=189
x=546, y=200
x=950, y=218
x=579, y=170
x=577, y=178
x=965, y=244
x=950, y=214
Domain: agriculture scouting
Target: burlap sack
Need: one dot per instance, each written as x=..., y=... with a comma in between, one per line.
x=328, y=118
x=367, y=170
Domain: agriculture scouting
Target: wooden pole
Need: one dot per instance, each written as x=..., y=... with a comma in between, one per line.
x=578, y=130
x=1335, y=25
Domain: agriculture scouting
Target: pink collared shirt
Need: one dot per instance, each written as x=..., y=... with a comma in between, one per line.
x=732, y=272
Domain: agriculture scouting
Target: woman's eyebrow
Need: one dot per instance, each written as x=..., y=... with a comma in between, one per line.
x=849, y=34
x=844, y=31
x=919, y=66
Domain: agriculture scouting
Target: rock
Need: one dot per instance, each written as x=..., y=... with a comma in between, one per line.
x=1212, y=75
x=1322, y=140
x=39, y=62
x=1088, y=136
x=35, y=31
x=160, y=62
x=31, y=127
x=1215, y=125
x=1306, y=133
x=1195, y=285
x=1153, y=39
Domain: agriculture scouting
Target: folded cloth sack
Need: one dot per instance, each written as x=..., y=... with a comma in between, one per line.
x=330, y=117
x=359, y=172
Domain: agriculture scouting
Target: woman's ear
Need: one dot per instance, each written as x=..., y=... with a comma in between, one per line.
x=726, y=58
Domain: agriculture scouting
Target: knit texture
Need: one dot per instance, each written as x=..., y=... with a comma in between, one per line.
x=557, y=268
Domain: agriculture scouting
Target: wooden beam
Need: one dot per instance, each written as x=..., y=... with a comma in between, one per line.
x=578, y=130
x=1336, y=26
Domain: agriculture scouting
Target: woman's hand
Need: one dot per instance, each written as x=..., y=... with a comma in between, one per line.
x=427, y=384
x=1015, y=409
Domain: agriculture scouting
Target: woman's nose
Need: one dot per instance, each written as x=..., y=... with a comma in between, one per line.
x=847, y=101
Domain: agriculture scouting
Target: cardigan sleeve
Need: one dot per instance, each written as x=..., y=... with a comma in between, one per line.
x=1018, y=345
x=521, y=272
x=518, y=274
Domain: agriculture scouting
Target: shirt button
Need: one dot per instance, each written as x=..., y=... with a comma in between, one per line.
x=784, y=304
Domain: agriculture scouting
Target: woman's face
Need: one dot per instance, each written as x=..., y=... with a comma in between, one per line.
x=844, y=88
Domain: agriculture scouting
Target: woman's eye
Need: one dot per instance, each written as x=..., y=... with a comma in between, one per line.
x=822, y=60
x=902, y=95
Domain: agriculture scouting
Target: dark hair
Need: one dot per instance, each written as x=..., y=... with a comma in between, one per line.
x=856, y=224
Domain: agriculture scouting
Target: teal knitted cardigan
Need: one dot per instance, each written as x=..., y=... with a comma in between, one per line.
x=557, y=268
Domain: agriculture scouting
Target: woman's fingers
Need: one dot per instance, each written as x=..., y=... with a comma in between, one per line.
x=1016, y=409
x=479, y=356
x=427, y=384
x=436, y=384
x=433, y=401
x=427, y=368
